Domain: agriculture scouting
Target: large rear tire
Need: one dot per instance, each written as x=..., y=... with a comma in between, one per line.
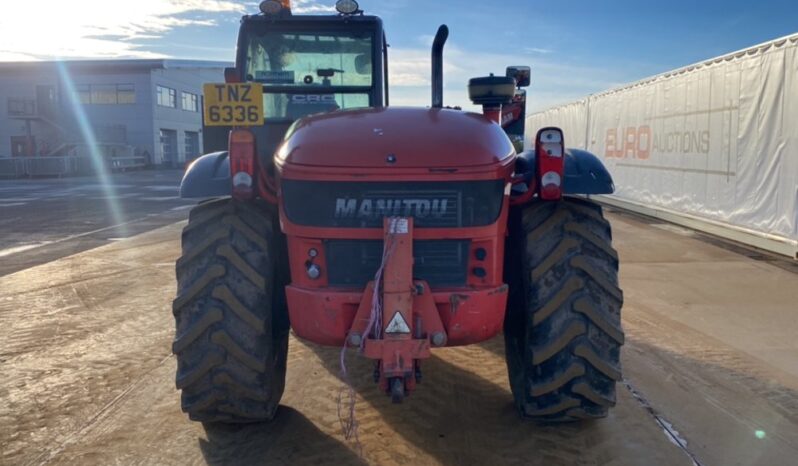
x=563, y=326
x=231, y=323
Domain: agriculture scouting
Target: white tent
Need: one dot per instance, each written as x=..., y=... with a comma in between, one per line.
x=712, y=145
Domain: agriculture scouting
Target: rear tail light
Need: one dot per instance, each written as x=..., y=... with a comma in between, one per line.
x=242, y=163
x=231, y=75
x=550, y=148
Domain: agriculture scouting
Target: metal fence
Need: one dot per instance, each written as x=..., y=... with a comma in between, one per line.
x=18, y=167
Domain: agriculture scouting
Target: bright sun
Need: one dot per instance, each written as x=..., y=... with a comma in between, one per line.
x=95, y=28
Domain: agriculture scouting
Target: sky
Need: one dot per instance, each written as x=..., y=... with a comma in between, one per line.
x=575, y=47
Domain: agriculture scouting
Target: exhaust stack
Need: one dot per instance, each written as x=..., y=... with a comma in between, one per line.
x=437, y=65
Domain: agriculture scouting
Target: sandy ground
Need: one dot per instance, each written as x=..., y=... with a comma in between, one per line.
x=711, y=363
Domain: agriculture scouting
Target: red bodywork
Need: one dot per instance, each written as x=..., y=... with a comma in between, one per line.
x=397, y=144
x=511, y=112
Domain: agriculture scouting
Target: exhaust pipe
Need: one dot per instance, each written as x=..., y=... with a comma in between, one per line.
x=437, y=65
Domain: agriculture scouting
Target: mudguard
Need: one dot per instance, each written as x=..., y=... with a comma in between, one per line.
x=584, y=172
x=208, y=176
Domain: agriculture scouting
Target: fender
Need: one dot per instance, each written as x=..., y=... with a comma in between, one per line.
x=208, y=176
x=584, y=172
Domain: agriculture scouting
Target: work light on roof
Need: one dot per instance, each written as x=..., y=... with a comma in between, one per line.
x=272, y=7
x=347, y=7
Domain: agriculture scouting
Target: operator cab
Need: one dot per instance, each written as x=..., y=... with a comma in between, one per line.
x=307, y=65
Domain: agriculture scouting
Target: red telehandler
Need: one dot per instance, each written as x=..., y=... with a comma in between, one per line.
x=391, y=230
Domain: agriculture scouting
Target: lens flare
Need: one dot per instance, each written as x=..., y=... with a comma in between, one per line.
x=87, y=133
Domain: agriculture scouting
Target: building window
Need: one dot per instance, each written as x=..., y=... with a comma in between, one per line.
x=125, y=94
x=21, y=107
x=105, y=94
x=192, y=145
x=190, y=102
x=83, y=93
x=167, y=97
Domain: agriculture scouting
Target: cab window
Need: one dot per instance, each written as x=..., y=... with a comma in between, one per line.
x=313, y=60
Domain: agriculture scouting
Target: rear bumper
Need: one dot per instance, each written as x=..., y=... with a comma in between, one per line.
x=324, y=316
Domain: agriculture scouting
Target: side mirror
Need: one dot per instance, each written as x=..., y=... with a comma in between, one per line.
x=363, y=64
x=521, y=74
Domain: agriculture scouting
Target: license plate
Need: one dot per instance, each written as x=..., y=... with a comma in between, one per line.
x=233, y=104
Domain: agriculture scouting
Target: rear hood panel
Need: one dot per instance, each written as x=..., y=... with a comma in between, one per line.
x=395, y=137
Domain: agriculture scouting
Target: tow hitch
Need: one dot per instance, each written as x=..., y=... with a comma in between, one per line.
x=397, y=321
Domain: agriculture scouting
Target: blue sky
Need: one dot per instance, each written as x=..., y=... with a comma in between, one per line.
x=574, y=47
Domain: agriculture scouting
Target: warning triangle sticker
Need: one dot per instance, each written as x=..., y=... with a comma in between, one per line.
x=397, y=324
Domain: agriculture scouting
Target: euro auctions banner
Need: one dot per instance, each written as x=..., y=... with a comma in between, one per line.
x=717, y=140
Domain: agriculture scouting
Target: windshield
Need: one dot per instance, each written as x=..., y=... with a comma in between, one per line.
x=332, y=70
x=328, y=59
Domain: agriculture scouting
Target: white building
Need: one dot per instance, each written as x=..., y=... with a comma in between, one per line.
x=131, y=108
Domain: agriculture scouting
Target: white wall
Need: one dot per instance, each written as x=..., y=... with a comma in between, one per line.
x=716, y=141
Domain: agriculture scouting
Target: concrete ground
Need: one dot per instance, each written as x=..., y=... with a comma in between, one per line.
x=49, y=218
x=710, y=363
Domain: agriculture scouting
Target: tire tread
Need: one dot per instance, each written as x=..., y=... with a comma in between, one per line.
x=230, y=338
x=563, y=332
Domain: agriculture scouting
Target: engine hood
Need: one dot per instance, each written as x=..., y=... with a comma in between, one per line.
x=395, y=137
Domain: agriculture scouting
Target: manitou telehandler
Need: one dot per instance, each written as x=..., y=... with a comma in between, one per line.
x=390, y=230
